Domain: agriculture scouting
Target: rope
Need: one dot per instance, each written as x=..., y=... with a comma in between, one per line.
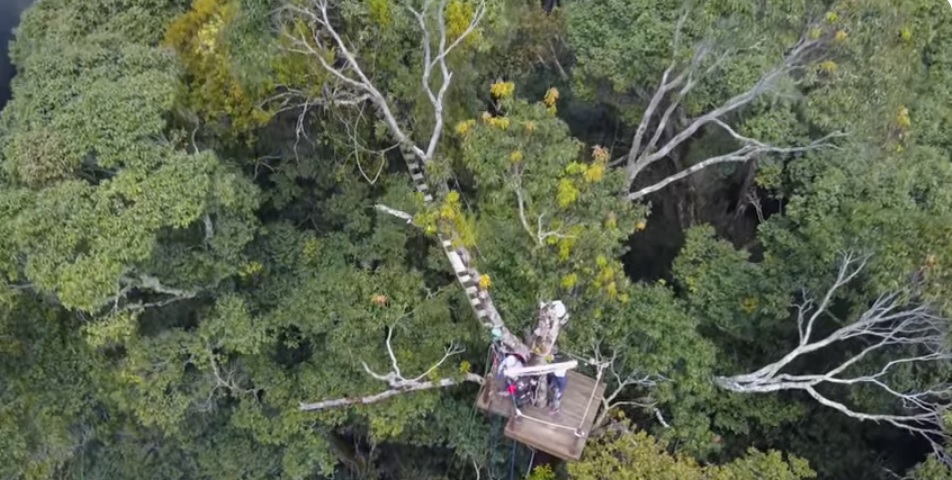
x=575, y=430
x=598, y=378
x=512, y=458
x=587, y=361
x=493, y=436
x=531, y=460
x=512, y=462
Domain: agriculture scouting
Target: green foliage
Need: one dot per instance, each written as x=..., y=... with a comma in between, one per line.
x=187, y=256
x=627, y=455
x=567, y=235
x=199, y=37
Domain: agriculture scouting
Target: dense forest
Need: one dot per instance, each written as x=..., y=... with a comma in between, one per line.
x=218, y=262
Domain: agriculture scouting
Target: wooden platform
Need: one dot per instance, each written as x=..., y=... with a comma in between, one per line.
x=560, y=442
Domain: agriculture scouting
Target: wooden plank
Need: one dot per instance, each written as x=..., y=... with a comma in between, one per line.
x=556, y=434
x=490, y=401
x=541, y=369
x=456, y=263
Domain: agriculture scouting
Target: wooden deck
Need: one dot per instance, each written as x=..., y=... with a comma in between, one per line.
x=560, y=442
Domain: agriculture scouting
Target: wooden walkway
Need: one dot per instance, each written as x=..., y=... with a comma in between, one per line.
x=560, y=442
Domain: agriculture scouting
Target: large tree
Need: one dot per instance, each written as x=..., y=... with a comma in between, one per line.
x=217, y=265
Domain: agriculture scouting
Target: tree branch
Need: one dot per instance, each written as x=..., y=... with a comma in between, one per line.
x=391, y=392
x=396, y=382
x=396, y=213
x=352, y=76
x=749, y=151
x=641, y=156
x=224, y=379
x=918, y=335
x=360, y=82
x=610, y=401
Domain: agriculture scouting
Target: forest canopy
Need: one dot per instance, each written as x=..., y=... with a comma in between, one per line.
x=229, y=234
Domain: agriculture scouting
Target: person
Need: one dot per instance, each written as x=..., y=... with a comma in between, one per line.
x=557, y=382
x=521, y=390
x=505, y=381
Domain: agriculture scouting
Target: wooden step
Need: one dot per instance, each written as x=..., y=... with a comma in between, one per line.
x=456, y=262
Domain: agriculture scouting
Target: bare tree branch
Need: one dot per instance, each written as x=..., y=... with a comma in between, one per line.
x=676, y=83
x=145, y=283
x=154, y=284
x=621, y=384
x=352, y=75
x=540, y=235
x=917, y=335
x=223, y=378
x=396, y=213
x=397, y=384
x=750, y=150
x=391, y=392
x=357, y=149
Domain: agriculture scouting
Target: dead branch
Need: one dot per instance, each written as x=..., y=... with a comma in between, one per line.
x=397, y=384
x=750, y=150
x=540, y=235
x=325, y=38
x=918, y=335
x=145, y=283
x=227, y=378
x=396, y=213
x=622, y=383
x=675, y=86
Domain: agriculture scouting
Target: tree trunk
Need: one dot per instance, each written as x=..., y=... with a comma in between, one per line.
x=543, y=340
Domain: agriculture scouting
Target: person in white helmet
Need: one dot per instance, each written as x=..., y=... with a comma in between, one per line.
x=558, y=308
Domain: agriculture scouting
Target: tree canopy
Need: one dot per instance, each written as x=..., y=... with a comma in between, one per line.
x=218, y=261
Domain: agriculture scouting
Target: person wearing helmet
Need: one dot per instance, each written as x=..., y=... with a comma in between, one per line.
x=506, y=381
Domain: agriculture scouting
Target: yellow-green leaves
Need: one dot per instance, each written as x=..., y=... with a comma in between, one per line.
x=379, y=12
x=215, y=91
x=502, y=90
x=828, y=66
x=464, y=127
x=459, y=14
x=905, y=33
x=902, y=118
x=551, y=97
x=567, y=193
